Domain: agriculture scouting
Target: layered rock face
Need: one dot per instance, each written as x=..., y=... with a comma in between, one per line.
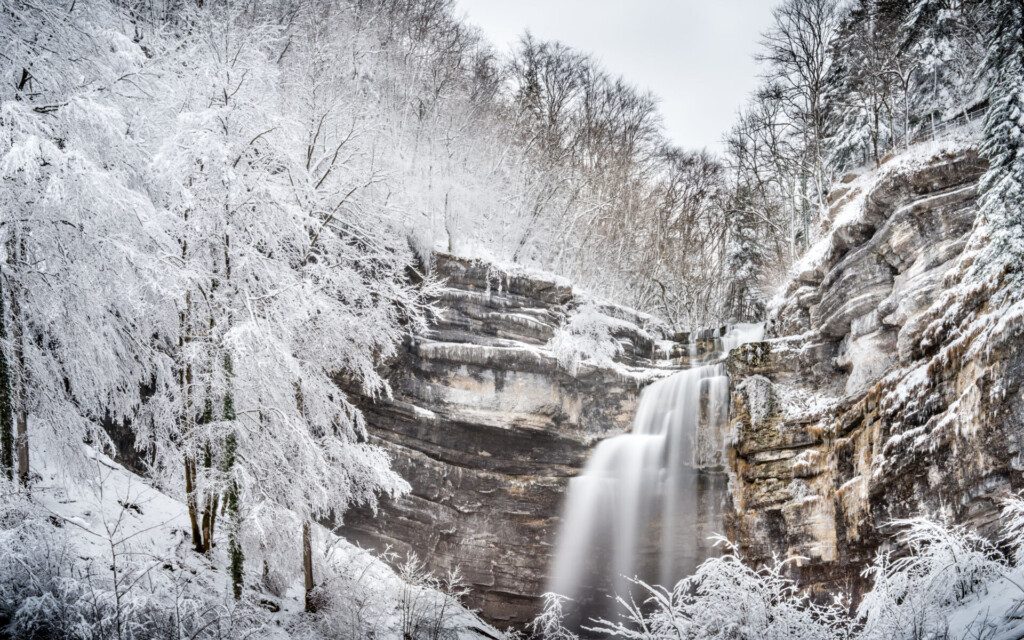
x=866, y=406
x=487, y=427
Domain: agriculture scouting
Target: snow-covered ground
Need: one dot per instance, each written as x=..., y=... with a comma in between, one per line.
x=99, y=552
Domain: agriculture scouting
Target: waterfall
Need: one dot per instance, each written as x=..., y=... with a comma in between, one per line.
x=641, y=506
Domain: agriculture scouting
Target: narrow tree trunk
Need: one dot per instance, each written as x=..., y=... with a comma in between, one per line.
x=190, y=500
x=187, y=415
x=6, y=414
x=236, y=559
x=209, y=521
x=18, y=335
x=23, y=441
x=208, y=499
x=307, y=566
x=231, y=507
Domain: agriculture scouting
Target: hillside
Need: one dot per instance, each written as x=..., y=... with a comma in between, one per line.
x=99, y=551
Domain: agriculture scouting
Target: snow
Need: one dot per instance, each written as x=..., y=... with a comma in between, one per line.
x=851, y=207
x=799, y=403
x=587, y=336
x=113, y=518
x=761, y=398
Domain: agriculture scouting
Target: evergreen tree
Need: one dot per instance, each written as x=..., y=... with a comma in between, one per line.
x=929, y=36
x=744, y=260
x=849, y=122
x=1002, y=201
x=867, y=86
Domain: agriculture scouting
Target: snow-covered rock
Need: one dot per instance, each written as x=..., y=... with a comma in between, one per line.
x=882, y=410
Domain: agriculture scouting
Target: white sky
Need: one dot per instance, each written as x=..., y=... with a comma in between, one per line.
x=696, y=55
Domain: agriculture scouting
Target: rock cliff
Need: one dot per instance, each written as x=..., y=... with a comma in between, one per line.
x=866, y=406
x=866, y=403
x=488, y=427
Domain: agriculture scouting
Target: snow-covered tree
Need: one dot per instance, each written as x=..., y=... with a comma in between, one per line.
x=797, y=50
x=6, y=415
x=867, y=95
x=1002, y=199
x=289, y=286
x=82, y=256
x=744, y=266
x=930, y=38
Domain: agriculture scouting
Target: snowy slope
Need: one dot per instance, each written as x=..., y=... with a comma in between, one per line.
x=103, y=553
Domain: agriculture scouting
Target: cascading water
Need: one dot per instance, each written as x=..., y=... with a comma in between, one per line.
x=640, y=507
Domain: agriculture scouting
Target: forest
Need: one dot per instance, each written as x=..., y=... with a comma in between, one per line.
x=219, y=221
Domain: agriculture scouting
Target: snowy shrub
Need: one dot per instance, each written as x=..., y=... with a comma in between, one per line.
x=725, y=599
x=355, y=600
x=53, y=587
x=587, y=336
x=936, y=569
x=33, y=562
x=938, y=582
x=428, y=601
x=550, y=623
x=352, y=602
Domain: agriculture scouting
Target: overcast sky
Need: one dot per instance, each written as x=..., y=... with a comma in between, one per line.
x=696, y=55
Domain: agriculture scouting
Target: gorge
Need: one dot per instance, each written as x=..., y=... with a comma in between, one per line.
x=343, y=320
x=799, y=462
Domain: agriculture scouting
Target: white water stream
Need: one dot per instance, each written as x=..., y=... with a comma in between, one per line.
x=633, y=510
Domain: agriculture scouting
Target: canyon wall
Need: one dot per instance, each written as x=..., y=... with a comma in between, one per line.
x=488, y=427
x=866, y=406
x=863, y=404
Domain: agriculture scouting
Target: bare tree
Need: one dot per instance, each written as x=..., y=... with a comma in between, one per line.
x=797, y=51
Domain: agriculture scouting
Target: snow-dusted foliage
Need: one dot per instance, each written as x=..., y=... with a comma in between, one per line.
x=109, y=556
x=724, y=599
x=68, y=577
x=194, y=248
x=182, y=254
x=937, y=582
x=586, y=337
x=937, y=569
x=1003, y=186
x=83, y=246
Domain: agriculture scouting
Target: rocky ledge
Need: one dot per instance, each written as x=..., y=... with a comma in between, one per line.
x=865, y=407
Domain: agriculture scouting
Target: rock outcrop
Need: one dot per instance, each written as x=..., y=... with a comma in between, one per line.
x=488, y=427
x=866, y=406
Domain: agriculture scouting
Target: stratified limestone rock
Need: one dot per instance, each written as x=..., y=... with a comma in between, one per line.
x=488, y=428
x=870, y=419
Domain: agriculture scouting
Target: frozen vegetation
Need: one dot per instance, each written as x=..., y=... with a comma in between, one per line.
x=938, y=581
x=101, y=553
x=217, y=226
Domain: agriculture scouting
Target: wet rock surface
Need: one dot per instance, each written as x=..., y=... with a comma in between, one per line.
x=851, y=416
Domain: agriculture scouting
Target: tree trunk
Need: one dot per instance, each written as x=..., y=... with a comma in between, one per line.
x=6, y=414
x=18, y=338
x=236, y=558
x=209, y=521
x=23, y=442
x=190, y=500
x=187, y=415
x=307, y=566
